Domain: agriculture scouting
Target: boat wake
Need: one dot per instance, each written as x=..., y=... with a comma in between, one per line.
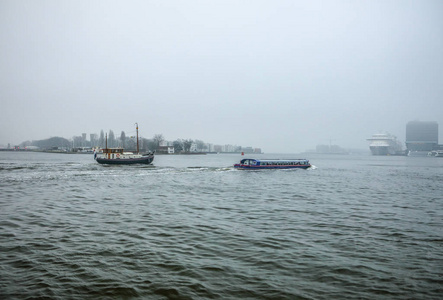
x=210, y=168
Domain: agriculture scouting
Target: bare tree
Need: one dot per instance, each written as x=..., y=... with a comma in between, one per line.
x=158, y=139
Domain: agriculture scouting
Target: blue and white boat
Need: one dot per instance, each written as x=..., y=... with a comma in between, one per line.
x=260, y=164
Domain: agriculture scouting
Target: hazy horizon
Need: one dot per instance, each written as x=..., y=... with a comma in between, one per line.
x=283, y=76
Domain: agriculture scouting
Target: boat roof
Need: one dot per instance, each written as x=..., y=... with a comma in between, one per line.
x=112, y=150
x=272, y=160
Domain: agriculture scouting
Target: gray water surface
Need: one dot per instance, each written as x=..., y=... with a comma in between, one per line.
x=192, y=227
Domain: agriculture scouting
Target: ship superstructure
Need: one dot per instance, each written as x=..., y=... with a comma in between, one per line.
x=384, y=144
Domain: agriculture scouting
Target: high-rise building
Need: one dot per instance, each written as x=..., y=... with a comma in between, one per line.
x=421, y=136
x=94, y=139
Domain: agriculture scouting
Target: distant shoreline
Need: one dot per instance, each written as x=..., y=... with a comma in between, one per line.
x=91, y=153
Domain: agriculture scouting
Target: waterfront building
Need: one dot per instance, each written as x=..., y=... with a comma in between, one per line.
x=421, y=136
x=165, y=149
x=247, y=150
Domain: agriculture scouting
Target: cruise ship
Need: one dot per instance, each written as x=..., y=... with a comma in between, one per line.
x=385, y=144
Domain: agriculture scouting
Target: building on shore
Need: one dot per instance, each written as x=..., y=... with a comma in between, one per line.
x=165, y=149
x=421, y=136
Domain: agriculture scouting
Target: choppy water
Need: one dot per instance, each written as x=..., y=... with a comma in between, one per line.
x=192, y=227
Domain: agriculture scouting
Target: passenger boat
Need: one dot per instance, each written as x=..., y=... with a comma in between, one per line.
x=260, y=164
x=117, y=156
x=436, y=153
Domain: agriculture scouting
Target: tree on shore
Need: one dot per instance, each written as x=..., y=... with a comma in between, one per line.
x=111, y=139
x=25, y=144
x=200, y=145
x=144, y=145
x=123, y=139
x=178, y=146
x=158, y=139
x=131, y=144
x=54, y=142
x=187, y=145
x=151, y=145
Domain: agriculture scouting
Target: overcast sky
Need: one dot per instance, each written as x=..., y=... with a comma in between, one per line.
x=280, y=75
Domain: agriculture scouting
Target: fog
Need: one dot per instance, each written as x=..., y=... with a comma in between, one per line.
x=280, y=75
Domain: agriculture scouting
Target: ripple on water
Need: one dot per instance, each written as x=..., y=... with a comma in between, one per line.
x=81, y=230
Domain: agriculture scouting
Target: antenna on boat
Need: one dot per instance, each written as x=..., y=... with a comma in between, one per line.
x=136, y=127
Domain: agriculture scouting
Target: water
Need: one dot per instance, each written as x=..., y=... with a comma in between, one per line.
x=192, y=227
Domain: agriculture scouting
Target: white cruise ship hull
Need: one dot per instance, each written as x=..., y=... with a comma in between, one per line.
x=380, y=150
x=384, y=144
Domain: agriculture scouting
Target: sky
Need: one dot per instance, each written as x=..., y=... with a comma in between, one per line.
x=281, y=75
